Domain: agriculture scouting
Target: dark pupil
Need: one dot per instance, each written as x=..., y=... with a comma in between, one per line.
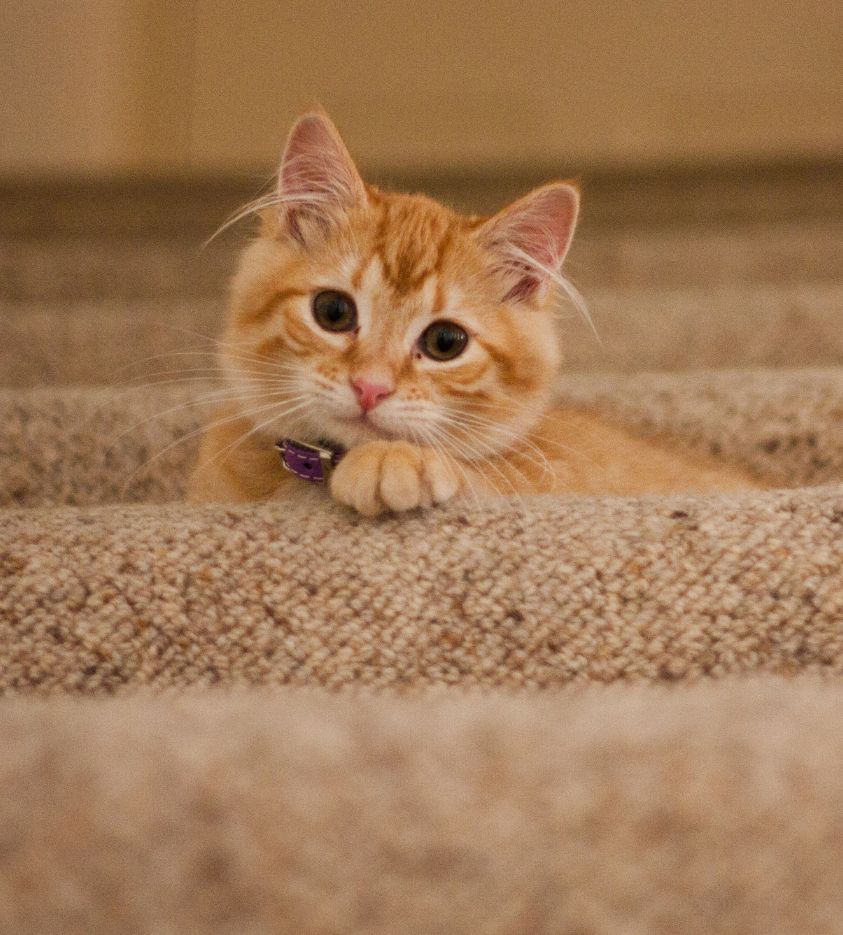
x=445, y=340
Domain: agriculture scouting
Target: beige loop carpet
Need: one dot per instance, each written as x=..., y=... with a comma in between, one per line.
x=534, y=595
x=555, y=715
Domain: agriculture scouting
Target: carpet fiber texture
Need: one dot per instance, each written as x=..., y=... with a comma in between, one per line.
x=547, y=592
x=576, y=715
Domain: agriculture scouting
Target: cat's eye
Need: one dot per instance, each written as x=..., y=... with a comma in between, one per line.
x=443, y=340
x=335, y=311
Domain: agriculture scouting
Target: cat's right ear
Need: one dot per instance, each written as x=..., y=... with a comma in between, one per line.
x=318, y=182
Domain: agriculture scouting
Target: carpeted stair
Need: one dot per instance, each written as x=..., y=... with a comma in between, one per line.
x=538, y=715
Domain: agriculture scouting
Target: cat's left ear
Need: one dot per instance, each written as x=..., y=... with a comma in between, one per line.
x=318, y=182
x=528, y=241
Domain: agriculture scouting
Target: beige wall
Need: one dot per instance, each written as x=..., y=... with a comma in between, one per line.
x=194, y=84
x=91, y=86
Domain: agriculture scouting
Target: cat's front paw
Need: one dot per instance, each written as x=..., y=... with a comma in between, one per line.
x=380, y=476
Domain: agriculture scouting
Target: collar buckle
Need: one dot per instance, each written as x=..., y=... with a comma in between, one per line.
x=312, y=463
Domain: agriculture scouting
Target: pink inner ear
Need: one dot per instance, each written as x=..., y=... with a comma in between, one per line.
x=317, y=178
x=524, y=288
x=532, y=237
x=542, y=231
x=309, y=157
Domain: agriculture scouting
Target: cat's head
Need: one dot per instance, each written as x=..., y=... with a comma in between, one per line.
x=359, y=314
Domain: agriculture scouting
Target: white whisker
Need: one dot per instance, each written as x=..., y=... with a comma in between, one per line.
x=430, y=436
x=241, y=414
x=521, y=260
x=257, y=429
x=272, y=199
x=473, y=455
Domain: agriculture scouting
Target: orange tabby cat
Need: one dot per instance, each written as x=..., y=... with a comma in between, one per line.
x=421, y=342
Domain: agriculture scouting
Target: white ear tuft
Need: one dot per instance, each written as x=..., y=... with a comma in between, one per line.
x=317, y=181
x=528, y=240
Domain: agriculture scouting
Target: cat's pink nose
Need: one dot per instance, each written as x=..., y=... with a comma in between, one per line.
x=370, y=394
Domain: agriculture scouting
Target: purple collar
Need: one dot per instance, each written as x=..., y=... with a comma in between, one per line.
x=312, y=463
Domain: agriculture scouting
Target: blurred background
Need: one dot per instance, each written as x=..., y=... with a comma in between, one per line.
x=193, y=87
x=709, y=139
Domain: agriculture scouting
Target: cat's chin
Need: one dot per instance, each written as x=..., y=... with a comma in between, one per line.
x=356, y=430
x=347, y=431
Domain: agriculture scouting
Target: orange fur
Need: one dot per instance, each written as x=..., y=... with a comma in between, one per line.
x=481, y=424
